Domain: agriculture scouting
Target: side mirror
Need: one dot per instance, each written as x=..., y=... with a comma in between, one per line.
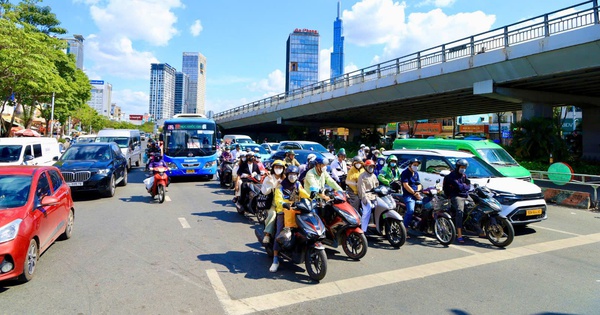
x=437, y=181
x=49, y=201
x=55, y=158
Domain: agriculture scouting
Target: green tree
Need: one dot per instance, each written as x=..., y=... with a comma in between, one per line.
x=536, y=139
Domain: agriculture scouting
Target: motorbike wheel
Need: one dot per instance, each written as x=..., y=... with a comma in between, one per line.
x=444, y=231
x=355, y=245
x=261, y=215
x=395, y=232
x=316, y=263
x=161, y=193
x=500, y=234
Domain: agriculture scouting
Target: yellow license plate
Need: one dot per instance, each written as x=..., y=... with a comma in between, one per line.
x=533, y=212
x=192, y=172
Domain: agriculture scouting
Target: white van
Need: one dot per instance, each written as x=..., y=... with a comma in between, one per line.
x=128, y=140
x=237, y=139
x=28, y=150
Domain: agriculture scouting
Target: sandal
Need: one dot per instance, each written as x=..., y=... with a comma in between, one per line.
x=460, y=240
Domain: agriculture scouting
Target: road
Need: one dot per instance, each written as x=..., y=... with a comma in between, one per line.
x=195, y=254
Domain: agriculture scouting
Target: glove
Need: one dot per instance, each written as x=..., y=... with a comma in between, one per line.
x=468, y=181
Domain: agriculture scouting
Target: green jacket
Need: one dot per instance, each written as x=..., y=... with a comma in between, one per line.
x=387, y=176
x=313, y=180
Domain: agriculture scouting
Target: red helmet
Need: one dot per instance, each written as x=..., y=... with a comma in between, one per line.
x=369, y=162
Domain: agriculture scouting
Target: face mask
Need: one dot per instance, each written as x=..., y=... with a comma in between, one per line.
x=293, y=178
x=370, y=169
x=462, y=170
x=278, y=171
x=243, y=159
x=323, y=169
x=380, y=162
x=415, y=168
x=393, y=164
x=357, y=166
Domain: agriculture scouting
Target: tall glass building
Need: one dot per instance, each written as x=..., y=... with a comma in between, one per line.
x=162, y=91
x=75, y=47
x=337, y=56
x=194, y=65
x=302, y=58
x=182, y=82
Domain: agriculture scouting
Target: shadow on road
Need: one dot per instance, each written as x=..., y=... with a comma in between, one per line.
x=225, y=215
x=523, y=230
x=142, y=199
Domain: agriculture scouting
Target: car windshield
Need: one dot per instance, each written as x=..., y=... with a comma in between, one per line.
x=497, y=157
x=253, y=147
x=85, y=139
x=10, y=153
x=87, y=153
x=478, y=168
x=314, y=147
x=14, y=190
x=243, y=140
x=122, y=142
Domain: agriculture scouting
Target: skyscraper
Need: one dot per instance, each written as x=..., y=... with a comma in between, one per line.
x=194, y=65
x=162, y=91
x=75, y=47
x=101, y=97
x=337, y=56
x=182, y=82
x=302, y=58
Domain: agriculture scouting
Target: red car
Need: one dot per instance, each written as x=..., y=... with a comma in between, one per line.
x=36, y=208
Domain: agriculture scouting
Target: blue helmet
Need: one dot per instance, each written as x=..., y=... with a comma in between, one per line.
x=320, y=160
x=292, y=169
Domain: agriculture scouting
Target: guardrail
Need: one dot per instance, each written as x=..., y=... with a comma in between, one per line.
x=535, y=28
x=592, y=181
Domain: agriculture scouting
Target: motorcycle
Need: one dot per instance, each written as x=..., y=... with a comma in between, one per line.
x=226, y=173
x=431, y=215
x=342, y=224
x=161, y=180
x=387, y=221
x=304, y=245
x=255, y=201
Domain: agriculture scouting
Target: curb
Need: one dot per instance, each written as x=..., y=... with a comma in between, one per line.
x=567, y=198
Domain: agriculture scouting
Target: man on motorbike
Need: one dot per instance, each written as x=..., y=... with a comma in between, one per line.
x=236, y=153
x=150, y=151
x=270, y=184
x=317, y=178
x=246, y=171
x=157, y=161
x=289, y=191
x=456, y=187
x=379, y=164
x=411, y=185
x=339, y=169
x=361, y=152
x=390, y=174
x=290, y=158
x=236, y=179
x=366, y=182
x=352, y=181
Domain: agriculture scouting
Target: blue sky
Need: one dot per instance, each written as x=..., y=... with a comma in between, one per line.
x=244, y=41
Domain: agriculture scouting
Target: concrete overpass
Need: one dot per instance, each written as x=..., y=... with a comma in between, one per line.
x=532, y=65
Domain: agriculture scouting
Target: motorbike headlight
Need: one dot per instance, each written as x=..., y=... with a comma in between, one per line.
x=348, y=217
x=10, y=231
x=172, y=166
x=104, y=171
x=210, y=164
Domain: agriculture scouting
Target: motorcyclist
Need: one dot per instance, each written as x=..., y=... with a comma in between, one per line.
x=366, y=182
x=152, y=150
x=456, y=188
x=289, y=191
x=317, y=178
x=304, y=168
x=270, y=184
x=379, y=164
x=390, y=174
x=361, y=152
x=236, y=179
x=290, y=158
x=236, y=153
x=339, y=169
x=410, y=189
x=226, y=154
x=157, y=161
x=257, y=160
x=352, y=181
x=245, y=173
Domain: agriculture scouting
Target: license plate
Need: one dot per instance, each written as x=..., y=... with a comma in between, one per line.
x=75, y=183
x=190, y=171
x=533, y=212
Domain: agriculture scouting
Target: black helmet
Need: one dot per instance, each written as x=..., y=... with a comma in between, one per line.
x=292, y=169
x=462, y=162
x=357, y=159
x=414, y=160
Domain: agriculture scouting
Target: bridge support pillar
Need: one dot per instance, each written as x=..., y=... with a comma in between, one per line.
x=531, y=110
x=591, y=133
x=354, y=134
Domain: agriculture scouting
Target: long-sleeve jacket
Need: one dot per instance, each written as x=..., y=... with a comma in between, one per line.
x=455, y=184
x=289, y=161
x=387, y=175
x=245, y=168
x=288, y=192
x=338, y=169
x=269, y=184
x=366, y=182
x=352, y=178
x=313, y=181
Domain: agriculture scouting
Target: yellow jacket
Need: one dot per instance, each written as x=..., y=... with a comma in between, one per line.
x=352, y=178
x=283, y=195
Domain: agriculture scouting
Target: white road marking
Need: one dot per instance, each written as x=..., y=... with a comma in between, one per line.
x=553, y=230
x=462, y=248
x=186, y=279
x=308, y=293
x=184, y=223
x=167, y=198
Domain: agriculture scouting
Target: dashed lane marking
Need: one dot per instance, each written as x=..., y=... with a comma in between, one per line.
x=167, y=198
x=184, y=223
x=323, y=290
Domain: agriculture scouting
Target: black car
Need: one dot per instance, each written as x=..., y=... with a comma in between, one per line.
x=98, y=166
x=301, y=156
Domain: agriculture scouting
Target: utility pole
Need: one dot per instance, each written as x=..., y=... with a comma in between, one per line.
x=52, y=118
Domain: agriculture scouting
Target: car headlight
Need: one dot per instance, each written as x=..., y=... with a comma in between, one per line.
x=104, y=171
x=10, y=231
x=210, y=164
x=506, y=198
x=172, y=166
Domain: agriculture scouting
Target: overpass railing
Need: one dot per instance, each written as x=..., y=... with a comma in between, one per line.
x=574, y=17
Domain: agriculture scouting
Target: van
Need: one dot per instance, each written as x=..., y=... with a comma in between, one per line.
x=485, y=149
x=128, y=140
x=237, y=139
x=30, y=151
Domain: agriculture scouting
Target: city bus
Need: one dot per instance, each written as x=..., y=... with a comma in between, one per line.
x=190, y=145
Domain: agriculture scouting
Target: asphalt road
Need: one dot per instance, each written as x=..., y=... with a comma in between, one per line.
x=195, y=254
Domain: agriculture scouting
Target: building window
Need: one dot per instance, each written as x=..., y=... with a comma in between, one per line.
x=293, y=66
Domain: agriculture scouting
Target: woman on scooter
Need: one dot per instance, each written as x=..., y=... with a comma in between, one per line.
x=270, y=184
x=352, y=181
x=366, y=182
x=236, y=179
x=289, y=191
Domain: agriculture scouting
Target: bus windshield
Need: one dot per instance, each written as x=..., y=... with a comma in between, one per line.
x=497, y=157
x=190, y=142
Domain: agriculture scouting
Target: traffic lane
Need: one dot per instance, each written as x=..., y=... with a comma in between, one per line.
x=569, y=220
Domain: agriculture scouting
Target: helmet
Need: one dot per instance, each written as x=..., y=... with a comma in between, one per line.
x=382, y=149
x=290, y=152
x=366, y=149
x=292, y=169
x=256, y=149
x=369, y=163
x=250, y=154
x=278, y=163
x=320, y=160
x=376, y=152
x=242, y=154
x=248, y=150
x=462, y=162
x=226, y=148
x=356, y=159
x=362, y=146
x=392, y=158
x=310, y=157
x=342, y=151
x=414, y=160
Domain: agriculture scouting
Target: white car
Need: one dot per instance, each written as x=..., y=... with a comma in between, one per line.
x=522, y=202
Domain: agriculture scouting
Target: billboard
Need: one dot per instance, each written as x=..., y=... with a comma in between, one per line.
x=97, y=82
x=136, y=117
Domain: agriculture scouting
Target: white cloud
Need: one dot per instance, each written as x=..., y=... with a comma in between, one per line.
x=350, y=67
x=220, y=105
x=118, y=58
x=196, y=28
x=436, y=3
x=273, y=85
x=401, y=34
x=131, y=102
x=325, y=63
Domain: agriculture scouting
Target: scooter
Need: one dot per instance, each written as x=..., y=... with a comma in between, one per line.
x=387, y=221
x=161, y=180
x=226, y=174
x=304, y=245
x=252, y=204
x=342, y=224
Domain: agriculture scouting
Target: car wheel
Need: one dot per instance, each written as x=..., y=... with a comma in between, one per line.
x=110, y=190
x=137, y=163
x=129, y=164
x=125, y=178
x=30, y=263
x=69, y=228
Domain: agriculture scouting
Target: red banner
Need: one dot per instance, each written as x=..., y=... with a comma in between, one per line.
x=474, y=128
x=428, y=129
x=136, y=117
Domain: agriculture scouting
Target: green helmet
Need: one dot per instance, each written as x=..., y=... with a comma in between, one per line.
x=392, y=158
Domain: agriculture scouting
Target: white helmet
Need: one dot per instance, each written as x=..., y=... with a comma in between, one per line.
x=310, y=157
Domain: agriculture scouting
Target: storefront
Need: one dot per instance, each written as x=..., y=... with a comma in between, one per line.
x=426, y=130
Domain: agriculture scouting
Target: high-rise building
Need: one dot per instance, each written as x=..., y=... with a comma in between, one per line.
x=194, y=65
x=302, y=58
x=101, y=97
x=337, y=56
x=75, y=47
x=182, y=82
x=162, y=91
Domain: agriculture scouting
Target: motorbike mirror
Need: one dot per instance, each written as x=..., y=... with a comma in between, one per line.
x=475, y=185
x=444, y=173
x=437, y=181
